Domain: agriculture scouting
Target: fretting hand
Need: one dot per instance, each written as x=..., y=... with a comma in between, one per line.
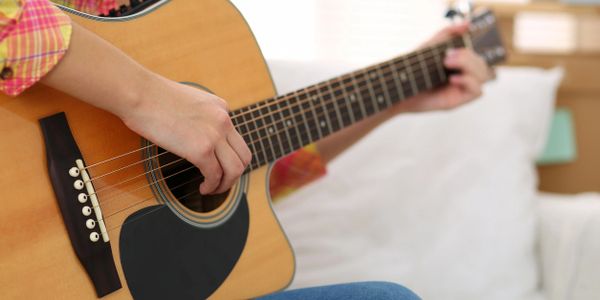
x=463, y=86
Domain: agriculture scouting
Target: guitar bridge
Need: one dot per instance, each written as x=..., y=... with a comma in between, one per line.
x=79, y=204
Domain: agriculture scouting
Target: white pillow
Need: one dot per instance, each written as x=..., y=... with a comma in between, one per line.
x=442, y=202
x=569, y=245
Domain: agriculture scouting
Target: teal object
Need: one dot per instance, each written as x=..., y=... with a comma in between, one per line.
x=560, y=146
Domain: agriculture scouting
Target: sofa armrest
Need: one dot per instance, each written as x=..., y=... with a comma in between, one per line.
x=570, y=245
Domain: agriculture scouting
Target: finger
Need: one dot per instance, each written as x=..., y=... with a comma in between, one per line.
x=467, y=62
x=450, y=31
x=232, y=166
x=211, y=170
x=447, y=33
x=469, y=85
x=240, y=147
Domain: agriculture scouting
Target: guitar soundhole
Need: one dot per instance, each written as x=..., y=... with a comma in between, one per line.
x=183, y=179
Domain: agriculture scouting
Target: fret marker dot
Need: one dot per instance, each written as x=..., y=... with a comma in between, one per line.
x=323, y=124
x=380, y=99
x=271, y=130
x=352, y=97
x=403, y=76
x=289, y=123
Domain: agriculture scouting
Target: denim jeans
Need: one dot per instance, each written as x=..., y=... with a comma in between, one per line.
x=348, y=291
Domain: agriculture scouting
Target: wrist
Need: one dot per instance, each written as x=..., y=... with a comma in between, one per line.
x=139, y=95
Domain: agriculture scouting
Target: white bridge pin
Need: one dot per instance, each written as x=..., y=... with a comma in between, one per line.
x=86, y=211
x=74, y=172
x=82, y=197
x=78, y=184
x=90, y=224
x=94, y=236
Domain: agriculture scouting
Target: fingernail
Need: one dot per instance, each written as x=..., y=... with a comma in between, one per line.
x=451, y=52
x=450, y=56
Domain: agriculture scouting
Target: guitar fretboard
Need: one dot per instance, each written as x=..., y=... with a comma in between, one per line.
x=278, y=126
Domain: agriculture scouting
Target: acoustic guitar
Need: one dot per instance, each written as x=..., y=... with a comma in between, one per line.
x=90, y=209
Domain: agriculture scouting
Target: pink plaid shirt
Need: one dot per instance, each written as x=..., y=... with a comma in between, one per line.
x=34, y=36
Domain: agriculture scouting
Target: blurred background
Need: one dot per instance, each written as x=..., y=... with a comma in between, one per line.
x=495, y=200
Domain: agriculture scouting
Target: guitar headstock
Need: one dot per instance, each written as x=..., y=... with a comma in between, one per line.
x=485, y=37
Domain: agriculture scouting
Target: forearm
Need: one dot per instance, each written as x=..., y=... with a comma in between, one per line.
x=98, y=73
x=186, y=121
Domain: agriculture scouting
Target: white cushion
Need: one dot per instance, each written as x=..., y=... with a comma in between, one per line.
x=569, y=245
x=442, y=202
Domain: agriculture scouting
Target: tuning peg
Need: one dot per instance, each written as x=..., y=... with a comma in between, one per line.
x=460, y=9
x=452, y=13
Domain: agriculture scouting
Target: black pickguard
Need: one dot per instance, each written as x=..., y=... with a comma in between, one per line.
x=163, y=257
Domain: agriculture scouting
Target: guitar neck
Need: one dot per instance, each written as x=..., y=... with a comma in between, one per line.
x=280, y=125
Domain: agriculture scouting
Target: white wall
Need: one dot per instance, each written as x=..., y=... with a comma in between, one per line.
x=347, y=30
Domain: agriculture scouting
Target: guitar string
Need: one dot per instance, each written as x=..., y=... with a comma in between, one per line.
x=152, y=183
x=112, y=198
x=253, y=143
x=107, y=216
x=271, y=114
x=371, y=105
x=426, y=58
x=146, y=213
x=134, y=177
x=263, y=104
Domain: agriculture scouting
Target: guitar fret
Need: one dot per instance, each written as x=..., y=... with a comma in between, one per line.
x=271, y=125
x=293, y=122
x=357, y=91
x=392, y=89
x=415, y=90
x=245, y=131
x=397, y=81
x=322, y=111
x=306, y=106
x=439, y=64
x=425, y=70
x=364, y=93
x=315, y=98
x=283, y=127
x=335, y=105
x=385, y=87
x=256, y=134
x=369, y=81
x=348, y=102
x=302, y=99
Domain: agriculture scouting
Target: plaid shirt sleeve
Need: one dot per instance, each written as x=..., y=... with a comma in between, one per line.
x=34, y=36
x=92, y=7
x=295, y=170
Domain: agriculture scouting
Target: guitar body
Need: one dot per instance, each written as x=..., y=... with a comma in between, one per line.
x=204, y=42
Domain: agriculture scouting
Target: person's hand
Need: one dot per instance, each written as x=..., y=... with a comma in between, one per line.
x=194, y=125
x=463, y=86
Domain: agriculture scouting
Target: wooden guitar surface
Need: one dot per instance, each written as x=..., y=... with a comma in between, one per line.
x=205, y=42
